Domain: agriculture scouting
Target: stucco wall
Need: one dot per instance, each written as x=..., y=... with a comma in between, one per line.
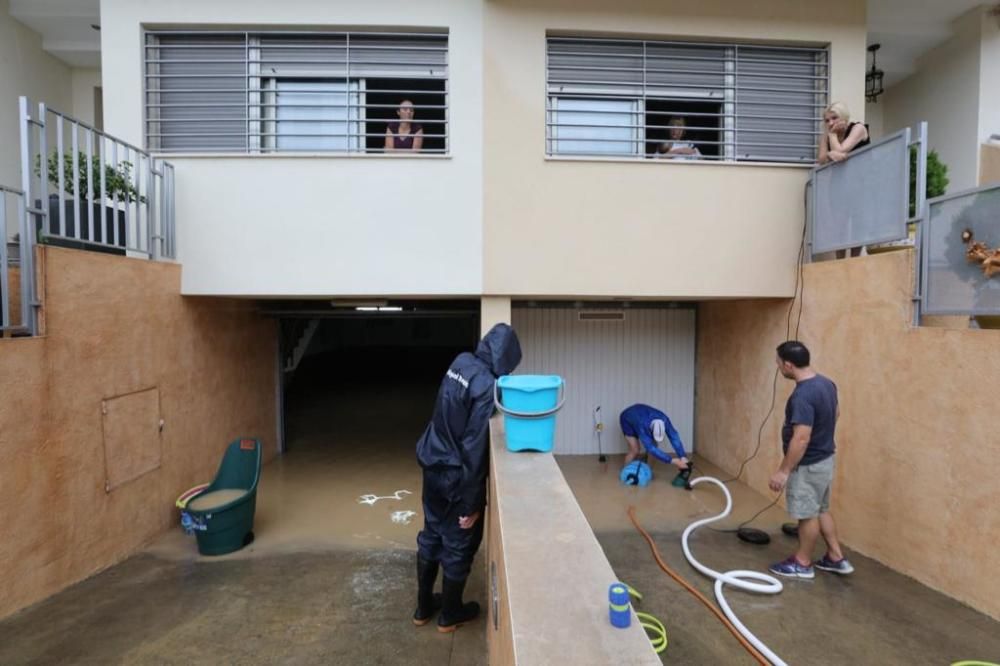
x=25, y=69
x=646, y=227
x=989, y=164
x=944, y=91
x=116, y=326
x=318, y=225
x=84, y=82
x=918, y=457
x=875, y=117
x=989, y=77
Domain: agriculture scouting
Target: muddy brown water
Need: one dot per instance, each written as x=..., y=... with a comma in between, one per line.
x=215, y=499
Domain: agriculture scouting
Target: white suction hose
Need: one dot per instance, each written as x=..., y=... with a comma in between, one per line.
x=738, y=578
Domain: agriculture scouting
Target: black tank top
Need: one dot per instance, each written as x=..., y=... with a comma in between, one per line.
x=861, y=144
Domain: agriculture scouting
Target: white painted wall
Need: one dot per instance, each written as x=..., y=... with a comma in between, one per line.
x=649, y=357
x=874, y=117
x=326, y=225
x=25, y=69
x=989, y=78
x=84, y=82
x=945, y=91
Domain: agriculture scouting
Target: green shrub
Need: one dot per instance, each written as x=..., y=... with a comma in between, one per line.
x=937, y=177
x=116, y=181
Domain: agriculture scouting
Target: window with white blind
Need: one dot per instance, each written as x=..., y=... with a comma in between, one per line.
x=275, y=91
x=677, y=100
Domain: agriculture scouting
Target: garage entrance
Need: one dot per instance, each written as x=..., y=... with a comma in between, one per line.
x=364, y=376
x=611, y=356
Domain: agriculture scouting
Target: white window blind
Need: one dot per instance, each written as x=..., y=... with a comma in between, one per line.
x=285, y=91
x=732, y=101
x=595, y=126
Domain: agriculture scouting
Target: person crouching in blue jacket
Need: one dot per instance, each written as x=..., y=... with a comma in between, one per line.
x=454, y=454
x=648, y=426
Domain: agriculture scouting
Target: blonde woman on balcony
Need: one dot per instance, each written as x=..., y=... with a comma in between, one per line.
x=841, y=135
x=836, y=143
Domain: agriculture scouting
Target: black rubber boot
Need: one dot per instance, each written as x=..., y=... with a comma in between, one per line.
x=427, y=602
x=454, y=613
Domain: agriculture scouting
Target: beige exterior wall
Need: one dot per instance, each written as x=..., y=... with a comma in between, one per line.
x=84, y=83
x=945, y=91
x=918, y=460
x=989, y=77
x=989, y=164
x=643, y=228
x=321, y=225
x=25, y=69
x=115, y=327
x=875, y=117
x=493, y=310
x=503, y=221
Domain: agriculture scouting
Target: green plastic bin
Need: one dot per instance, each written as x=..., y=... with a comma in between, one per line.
x=223, y=513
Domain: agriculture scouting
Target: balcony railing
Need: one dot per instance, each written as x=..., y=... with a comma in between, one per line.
x=870, y=198
x=84, y=189
x=16, y=316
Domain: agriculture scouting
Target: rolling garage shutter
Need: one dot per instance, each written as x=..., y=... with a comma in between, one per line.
x=611, y=358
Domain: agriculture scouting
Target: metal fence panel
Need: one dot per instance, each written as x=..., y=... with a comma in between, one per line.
x=952, y=284
x=106, y=195
x=16, y=284
x=864, y=199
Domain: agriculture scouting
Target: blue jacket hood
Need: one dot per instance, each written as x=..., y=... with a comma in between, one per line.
x=500, y=349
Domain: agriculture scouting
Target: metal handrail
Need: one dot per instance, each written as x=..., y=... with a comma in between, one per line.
x=111, y=193
x=26, y=286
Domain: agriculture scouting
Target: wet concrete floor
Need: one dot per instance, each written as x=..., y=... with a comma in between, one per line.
x=328, y=580
x=874, y=616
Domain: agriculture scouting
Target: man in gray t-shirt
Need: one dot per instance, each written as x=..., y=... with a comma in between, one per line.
x=806, y=471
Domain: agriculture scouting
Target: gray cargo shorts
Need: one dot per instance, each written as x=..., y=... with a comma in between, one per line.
x=808, y=489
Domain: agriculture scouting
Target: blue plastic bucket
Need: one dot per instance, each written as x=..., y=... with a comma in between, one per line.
x=529, y=404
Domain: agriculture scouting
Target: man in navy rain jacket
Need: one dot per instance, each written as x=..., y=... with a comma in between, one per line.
x=454, y=454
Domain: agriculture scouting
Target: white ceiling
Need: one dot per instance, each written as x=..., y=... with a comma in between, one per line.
x=65, y=27
x=906, y=29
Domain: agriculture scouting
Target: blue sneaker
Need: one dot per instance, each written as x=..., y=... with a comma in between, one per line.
x=841, y=566
x=792, y=569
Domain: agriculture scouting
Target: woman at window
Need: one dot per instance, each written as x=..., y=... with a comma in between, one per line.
x=677, y=148
x=405, y=135
x=841, y=135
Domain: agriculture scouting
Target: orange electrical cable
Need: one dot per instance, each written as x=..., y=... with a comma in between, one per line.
x=701, y=597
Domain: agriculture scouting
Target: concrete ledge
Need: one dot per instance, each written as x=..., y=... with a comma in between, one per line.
x=547, y=576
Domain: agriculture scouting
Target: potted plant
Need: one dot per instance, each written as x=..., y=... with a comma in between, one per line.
x=937, y=184
x=118, y=183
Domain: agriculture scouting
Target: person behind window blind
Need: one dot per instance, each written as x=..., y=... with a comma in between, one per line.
x=405, y=135
x=677, y=148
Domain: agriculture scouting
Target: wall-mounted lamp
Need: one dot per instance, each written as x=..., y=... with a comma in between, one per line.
x=873, y=77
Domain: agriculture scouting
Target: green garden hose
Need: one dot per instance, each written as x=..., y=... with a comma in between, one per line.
x=655, y=630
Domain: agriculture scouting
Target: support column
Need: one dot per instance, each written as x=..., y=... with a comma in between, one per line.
x=493, y=310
